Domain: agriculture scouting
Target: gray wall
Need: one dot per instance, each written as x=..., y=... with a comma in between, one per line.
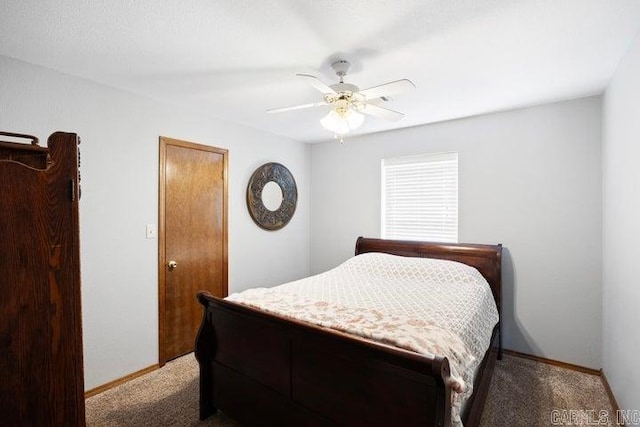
x=621, y=230
x=529, y=179
x=119, y=170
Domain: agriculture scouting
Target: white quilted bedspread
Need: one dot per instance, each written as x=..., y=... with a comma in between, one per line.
x=451, y=295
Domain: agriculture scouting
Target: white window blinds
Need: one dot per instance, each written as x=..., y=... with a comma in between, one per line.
x=420, y=197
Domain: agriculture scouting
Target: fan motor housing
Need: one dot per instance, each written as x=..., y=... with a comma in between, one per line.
x=344, y=87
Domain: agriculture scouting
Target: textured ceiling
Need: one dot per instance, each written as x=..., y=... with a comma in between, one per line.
x=234, y=59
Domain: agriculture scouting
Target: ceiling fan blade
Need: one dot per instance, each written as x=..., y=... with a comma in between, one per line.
x=381, y=112
x=318, y=84
x=297, y=107
x=387, y=89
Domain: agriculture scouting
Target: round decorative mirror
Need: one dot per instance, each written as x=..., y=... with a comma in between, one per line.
x=272, y=196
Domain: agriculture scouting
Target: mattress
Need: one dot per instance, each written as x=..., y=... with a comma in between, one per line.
x=434, y=307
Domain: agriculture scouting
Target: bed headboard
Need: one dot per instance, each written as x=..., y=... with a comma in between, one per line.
x=485, y=258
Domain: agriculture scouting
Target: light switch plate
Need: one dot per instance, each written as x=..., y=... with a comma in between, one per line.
x=152, y=231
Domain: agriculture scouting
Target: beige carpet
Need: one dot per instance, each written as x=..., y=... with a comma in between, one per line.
x=523, y=393
x=166, y=397
x=526, y=393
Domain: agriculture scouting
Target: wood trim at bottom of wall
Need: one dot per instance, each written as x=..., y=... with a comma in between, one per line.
x=553, y=362
x=117, y=382
x=612, y=398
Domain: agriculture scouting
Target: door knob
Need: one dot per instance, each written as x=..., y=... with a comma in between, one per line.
x=172, y=264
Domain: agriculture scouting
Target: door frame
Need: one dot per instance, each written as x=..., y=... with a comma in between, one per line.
x=162, y=261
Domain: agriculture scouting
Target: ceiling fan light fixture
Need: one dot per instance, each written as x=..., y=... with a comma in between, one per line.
x=348, y=101
x=342, y=120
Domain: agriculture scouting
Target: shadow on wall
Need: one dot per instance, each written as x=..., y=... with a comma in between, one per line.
x=515, y=336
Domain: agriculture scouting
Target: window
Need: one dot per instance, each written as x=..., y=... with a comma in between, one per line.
x=420, y=197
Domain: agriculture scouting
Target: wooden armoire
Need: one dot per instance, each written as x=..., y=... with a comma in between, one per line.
x=40, y=319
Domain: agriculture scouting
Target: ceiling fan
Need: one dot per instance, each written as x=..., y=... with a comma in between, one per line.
x=348, y=101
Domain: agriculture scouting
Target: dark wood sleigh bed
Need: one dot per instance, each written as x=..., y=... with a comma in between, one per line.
x=266, y=370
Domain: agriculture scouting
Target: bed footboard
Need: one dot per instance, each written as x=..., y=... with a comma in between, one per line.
x=263, y=369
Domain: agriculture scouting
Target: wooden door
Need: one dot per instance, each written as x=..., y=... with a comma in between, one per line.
x=193, y=239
